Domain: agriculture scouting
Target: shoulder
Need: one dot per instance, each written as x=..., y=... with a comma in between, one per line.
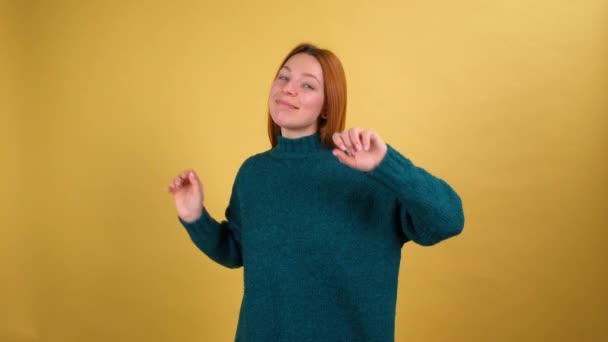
x=251, y=164
x=254, y=160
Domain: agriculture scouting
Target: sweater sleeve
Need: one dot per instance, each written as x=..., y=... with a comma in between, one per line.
x=429, y=209
x=220, y=241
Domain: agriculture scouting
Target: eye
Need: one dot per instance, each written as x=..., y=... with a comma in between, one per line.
x=283, y=78
x=308, y=86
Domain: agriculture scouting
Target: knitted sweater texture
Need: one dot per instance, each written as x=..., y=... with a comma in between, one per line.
x=320, y=243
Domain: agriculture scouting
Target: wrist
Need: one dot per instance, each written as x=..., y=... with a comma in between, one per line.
x=190, y=218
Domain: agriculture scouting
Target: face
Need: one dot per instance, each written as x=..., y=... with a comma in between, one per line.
x=297, y=96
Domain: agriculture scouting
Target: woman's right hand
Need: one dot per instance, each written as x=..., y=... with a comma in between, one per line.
x=187, y=192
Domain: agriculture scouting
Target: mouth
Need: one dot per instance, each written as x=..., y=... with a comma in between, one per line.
x=285, y=104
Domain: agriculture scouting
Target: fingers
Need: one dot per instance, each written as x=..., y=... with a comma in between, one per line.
x=354, y=139
x=348, y=141
x=193, y=177
x=348, y=160
x=368, y=138
x=337, y=139
x=185, y=178
x=179, y=181
x=354, y=134
x=345, y=136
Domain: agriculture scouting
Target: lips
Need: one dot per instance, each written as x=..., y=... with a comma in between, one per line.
x=285, y=104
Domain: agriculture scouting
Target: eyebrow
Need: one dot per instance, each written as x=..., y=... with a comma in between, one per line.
x=303, y=74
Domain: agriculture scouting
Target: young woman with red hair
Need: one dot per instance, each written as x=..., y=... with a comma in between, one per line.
x=318, y=220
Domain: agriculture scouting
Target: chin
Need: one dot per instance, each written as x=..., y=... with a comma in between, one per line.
x=282, y=119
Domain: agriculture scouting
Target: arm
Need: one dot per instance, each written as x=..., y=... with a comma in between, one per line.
x=430, y=210
x=220, y=241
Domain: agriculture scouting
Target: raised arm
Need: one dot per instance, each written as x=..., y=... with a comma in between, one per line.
x=220, y=241
x=430, y=210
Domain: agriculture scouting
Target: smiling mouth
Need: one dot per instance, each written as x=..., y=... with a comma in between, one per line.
x=285, y=104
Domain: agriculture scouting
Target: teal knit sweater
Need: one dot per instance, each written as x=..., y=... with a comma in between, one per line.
x=321, y=242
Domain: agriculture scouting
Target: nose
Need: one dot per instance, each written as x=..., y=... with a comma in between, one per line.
x=289, y=89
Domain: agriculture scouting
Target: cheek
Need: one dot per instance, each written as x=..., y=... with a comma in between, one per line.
x=273, y=89
x=315, y=102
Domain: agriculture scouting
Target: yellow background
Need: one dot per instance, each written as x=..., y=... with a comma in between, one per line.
x=104, y=102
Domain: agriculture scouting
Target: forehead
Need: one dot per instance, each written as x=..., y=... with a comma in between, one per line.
x=303, y=63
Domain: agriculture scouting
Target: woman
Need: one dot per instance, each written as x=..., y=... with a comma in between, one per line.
x=318, y=220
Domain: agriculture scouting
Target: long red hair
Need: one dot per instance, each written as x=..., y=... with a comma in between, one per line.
x=333, y=113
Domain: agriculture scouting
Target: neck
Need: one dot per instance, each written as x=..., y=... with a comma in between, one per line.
x=303, y=145
x=295, y=134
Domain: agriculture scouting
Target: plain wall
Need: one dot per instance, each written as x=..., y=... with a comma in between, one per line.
x=16, y=295
x=106, y=101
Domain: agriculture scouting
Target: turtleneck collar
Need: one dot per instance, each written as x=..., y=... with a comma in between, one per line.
x=298, y=146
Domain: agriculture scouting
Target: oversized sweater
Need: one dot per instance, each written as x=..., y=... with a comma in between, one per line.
x=320, y=242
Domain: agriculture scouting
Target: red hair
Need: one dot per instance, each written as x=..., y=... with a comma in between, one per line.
x=333, y=113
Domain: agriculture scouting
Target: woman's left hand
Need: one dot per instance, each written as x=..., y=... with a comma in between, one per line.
x=360, y=149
